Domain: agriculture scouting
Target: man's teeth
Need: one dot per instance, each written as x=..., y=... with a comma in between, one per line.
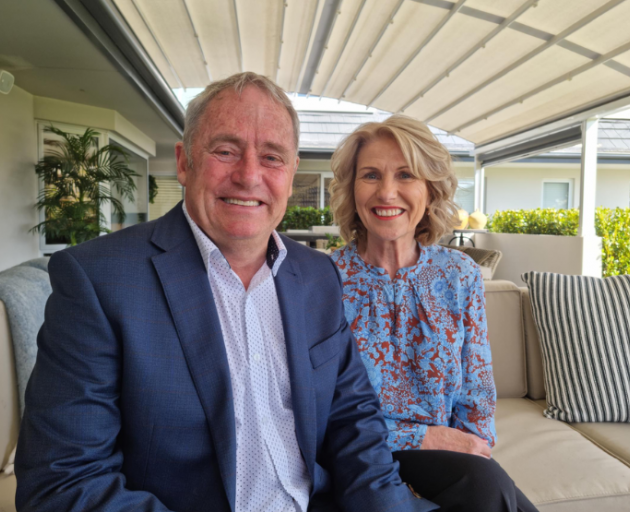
x=389, y=212
x=241, y=203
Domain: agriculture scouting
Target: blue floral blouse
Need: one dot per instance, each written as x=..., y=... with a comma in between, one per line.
x=423, y=339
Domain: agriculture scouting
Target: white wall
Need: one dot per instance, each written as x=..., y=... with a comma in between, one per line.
x=18, y=181
x=573, y=255
x=517, y=186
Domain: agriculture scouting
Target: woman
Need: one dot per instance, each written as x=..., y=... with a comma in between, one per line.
x=417, y=311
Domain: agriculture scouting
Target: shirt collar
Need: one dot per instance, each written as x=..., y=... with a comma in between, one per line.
x=276, y=250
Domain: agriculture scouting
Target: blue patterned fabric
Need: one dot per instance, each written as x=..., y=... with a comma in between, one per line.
x=423, y=339
x=24, y=290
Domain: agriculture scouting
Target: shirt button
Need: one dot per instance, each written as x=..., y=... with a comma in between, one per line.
x=256, y=357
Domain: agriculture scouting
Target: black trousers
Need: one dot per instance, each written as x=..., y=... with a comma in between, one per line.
x=461, y=482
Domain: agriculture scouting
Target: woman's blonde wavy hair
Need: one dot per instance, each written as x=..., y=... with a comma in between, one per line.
x=427, y=159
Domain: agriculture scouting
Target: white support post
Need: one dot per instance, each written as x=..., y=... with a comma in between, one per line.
x=479, y=186
x=588, y=178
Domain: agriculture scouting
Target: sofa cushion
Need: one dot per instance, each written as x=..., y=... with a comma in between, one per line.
x=556, y=467
x=505, y=334
x=612, y=437
x=584, y=327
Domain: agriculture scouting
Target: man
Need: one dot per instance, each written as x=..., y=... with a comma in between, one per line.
x=201, y=361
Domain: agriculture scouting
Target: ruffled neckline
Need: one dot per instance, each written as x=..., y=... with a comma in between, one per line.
x=352, y=254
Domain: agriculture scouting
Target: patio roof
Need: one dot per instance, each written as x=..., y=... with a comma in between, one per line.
x=482, y=69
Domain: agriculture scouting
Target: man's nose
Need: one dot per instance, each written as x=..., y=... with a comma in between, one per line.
x=248, y=174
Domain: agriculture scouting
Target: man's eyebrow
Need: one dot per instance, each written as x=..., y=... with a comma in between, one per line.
x=279, y=148
x=226, y=138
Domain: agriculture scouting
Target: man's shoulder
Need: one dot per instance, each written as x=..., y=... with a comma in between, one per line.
x=131, y=241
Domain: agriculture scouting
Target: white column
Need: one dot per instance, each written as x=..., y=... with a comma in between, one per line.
x=479, y=186
x=588, y=178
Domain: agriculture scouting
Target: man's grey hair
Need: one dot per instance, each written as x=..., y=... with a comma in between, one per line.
x=198, y=106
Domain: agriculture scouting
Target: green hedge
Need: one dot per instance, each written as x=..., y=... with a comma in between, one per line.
x=613, y=225
x=303, y=217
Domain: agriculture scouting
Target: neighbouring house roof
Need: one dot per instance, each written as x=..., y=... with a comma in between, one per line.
x=613, y=138
x=325, y=130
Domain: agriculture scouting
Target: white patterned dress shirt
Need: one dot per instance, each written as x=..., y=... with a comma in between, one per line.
x=271, y=474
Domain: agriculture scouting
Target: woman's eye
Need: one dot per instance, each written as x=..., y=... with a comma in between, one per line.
x=406, y=175
x=370, y=176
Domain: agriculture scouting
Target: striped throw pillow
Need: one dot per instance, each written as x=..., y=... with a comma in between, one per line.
x=584, y=329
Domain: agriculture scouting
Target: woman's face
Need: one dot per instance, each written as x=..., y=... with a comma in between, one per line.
x=389, y=199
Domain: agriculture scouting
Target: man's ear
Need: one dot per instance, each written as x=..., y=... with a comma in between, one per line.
x=182, y=163
x=297, y=162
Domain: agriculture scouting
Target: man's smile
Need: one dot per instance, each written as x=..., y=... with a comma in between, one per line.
x=240, y=202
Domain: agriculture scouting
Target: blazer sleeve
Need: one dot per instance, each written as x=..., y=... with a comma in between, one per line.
x=475, y=407
x=364, y=473
x=68, y=457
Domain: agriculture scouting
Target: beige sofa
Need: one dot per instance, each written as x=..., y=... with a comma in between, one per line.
x=560, y=467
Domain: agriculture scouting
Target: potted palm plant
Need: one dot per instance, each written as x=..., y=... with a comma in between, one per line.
x=78, y=180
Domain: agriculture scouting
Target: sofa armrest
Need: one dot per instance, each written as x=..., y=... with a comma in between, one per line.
x=535, y=375
x=9, y=408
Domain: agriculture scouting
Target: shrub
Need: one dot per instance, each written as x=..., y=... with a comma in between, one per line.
x=613, y=225
x=303, y=217
x=548, y=221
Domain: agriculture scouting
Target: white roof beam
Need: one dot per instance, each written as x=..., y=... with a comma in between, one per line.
x=170, y=65
x=481, y=44
x=424, y=43
x=281, y=42
x=203, y=55
x=308, y=43
x=389, y=22
x=537, y=51
x=343, y=48
x=238, y=37
x=327, y=21
x=567, y=76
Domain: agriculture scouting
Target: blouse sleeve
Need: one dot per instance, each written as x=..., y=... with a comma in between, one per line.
x=474, y=409
x=405, y=435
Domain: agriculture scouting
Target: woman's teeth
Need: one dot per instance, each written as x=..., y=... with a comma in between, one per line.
x=241, y=203
x=389, y=212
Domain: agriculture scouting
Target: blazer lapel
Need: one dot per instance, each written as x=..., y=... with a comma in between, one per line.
x=292, y=307
x=183, y=276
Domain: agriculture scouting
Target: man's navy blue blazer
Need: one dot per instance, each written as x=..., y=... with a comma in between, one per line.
x=129, y=407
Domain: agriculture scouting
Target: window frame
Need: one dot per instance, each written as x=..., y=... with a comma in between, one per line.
x=568, y=181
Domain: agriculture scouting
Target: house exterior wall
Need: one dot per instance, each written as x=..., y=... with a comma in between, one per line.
x=517, y=186
x=18, y=181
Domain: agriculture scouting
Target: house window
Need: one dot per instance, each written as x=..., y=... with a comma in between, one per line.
x=311, y=189
x=136, y=210
x=169, y=193
x=465, y=194
x=557, y=194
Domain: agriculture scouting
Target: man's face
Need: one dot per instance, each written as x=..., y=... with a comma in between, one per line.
x=244, y=160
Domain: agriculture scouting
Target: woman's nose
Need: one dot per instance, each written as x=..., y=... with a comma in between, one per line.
x=387, y=189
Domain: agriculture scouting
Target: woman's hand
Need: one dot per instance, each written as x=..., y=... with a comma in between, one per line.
x=446, y=438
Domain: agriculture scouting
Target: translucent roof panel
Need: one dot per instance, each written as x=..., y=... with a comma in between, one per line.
x=479, y=69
